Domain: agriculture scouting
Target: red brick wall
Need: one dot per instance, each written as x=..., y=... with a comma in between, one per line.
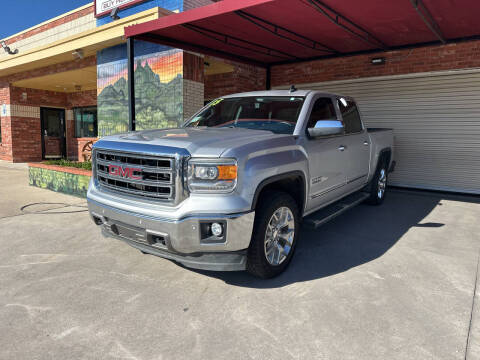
x=243, y=78
x=193, y=67
x=18, y=145
x=26, y=132
x=75, y=149
x=430, y=58
x=75, y=145
x=36, y=97
x=82, y=98
x=26, y=139
x=50, y=25
x=6, y=143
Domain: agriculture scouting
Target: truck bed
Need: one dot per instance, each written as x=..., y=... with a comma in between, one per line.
x=380, y=138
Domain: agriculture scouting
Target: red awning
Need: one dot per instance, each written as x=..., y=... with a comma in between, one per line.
x=265, y=32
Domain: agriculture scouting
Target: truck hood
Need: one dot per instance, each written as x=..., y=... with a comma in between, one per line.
x=199, y=142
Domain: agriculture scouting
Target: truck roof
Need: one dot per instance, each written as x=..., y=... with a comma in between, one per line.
x=280, y=93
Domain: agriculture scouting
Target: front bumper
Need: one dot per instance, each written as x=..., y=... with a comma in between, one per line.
x=181, y=240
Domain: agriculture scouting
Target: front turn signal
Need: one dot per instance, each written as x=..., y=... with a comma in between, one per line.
x=227, y=172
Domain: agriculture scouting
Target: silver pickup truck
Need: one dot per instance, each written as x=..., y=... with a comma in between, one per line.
x=229, y=189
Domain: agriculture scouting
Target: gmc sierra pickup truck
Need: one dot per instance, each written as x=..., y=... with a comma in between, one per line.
x=228, y=190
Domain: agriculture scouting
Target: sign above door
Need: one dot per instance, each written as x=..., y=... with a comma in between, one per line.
x=104, y=7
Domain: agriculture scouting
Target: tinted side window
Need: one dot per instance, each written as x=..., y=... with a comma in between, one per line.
x=323, y=109
x=351, y=116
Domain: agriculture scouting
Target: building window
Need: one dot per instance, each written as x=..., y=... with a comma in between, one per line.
x=85, y=122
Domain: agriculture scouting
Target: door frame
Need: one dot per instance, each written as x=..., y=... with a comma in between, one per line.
x=63, y=122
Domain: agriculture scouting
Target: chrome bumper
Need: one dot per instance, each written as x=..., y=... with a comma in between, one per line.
x=181, y=240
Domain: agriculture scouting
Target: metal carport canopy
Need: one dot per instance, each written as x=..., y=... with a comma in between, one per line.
x=268, y=32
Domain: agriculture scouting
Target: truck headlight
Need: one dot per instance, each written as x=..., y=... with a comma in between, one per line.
x=212, y=175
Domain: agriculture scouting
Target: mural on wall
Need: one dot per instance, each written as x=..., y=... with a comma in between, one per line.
x=158, y=88
x=59, y=181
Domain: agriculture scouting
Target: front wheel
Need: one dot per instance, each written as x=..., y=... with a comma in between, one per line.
x=274, y=235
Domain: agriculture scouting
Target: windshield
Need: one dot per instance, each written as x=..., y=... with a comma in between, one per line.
x=278, y=114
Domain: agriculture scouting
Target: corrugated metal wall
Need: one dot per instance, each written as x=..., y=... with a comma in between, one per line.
x=436, y=122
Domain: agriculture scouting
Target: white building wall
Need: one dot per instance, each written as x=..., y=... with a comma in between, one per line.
x=49, y=36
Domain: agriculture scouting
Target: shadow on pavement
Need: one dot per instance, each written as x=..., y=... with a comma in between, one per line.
x=358, y=236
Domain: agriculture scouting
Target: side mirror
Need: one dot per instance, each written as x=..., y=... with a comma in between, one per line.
x=326, y=128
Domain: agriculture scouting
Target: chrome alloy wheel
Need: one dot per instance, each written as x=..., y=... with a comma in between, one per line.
x=279, y=236
x=382, y=183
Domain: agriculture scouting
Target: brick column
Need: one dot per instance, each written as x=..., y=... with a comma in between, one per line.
x=25, y=120
x=26, y=133
x=5, y=122
x=193, y=84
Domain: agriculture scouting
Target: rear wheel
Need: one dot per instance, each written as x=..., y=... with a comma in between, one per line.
x=274, y=235
x=378, y=186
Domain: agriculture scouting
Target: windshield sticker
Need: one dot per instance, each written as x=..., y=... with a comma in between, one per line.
x=216, y=102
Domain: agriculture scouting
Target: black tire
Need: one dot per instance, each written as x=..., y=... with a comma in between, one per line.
x=376, y=196
x=269, y=203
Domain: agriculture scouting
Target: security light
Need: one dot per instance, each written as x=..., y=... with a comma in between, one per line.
x=378, y=61
x=78, y=54
x=114, y=14
x=7, y=48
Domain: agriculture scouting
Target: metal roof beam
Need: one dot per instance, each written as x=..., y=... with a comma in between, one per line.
x=289, y=34
x=346, y=24
x=428, y=19
x=198, y=49
x=226, y=39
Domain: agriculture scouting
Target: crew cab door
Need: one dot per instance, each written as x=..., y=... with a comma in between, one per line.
x=356, y=142
x=326, y=161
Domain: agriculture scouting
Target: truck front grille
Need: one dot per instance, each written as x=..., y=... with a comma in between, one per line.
x=135, y=174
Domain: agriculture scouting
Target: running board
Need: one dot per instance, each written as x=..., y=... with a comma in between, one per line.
x=331, y=211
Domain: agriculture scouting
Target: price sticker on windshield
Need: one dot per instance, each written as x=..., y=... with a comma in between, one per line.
x=216, y=102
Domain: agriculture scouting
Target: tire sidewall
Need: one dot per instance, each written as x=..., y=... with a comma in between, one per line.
x=375, y=185
x=269, y=205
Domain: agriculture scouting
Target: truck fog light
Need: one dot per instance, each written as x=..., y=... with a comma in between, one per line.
x=217, y=229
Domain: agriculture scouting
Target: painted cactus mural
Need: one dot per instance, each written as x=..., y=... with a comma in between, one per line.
x=158, y=88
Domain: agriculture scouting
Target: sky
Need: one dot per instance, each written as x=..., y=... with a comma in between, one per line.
x=18, y=15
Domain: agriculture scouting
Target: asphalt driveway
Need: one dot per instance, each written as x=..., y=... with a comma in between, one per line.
x=389, y=282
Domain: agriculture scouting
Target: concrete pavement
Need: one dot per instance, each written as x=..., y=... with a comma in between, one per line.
x=395, y=282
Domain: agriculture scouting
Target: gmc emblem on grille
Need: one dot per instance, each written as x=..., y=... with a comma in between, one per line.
x=125, y=172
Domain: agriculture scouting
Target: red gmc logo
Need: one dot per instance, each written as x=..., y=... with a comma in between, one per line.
x=126, y=172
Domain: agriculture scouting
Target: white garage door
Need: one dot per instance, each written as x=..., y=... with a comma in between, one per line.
x=436, y=122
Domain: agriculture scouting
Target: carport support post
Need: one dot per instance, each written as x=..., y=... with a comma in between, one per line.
x=268, y=84
x=131, y=83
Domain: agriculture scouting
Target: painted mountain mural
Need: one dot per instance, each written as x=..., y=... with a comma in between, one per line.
x=158, y=104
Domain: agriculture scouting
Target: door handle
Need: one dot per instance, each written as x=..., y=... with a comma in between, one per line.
x=366, y=143
x=342, y=147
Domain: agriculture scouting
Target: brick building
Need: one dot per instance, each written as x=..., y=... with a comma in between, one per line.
x=68, y=84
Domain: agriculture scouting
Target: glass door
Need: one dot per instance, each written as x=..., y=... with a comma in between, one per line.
x=53, y=133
